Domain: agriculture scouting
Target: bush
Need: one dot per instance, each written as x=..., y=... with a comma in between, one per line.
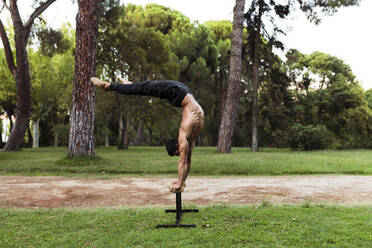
x=309, y=137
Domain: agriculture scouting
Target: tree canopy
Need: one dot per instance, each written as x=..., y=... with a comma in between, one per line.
x=306, y=96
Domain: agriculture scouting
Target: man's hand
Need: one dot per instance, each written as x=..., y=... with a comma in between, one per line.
x=123, y=81
x=100, y=83
x=176, y=188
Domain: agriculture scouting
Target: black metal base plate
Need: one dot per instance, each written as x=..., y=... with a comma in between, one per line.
x=183, y=210
x=176, y=225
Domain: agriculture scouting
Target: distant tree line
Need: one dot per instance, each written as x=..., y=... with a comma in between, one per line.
x=309, y=101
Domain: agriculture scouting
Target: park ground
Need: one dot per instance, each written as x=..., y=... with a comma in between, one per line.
x=273, y=198
x=52, y=192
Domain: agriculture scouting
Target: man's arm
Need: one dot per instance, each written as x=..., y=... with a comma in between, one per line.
x=182, y=163
x=189, y=154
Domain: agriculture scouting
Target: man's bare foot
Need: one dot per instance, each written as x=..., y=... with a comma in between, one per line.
x=100, y=83
x=123, y=81
x=175, y=188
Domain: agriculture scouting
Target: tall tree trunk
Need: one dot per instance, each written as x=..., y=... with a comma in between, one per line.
x=81, y=136
x=150, y=136
x=11, y=123
x=121, y=130
x=20, y=71
x=1, y=133
x=139, y=135
x=56, y=139
x=35, y=143
x=256, y=63
x=30, y=140
x=233, y=90
x=255, y=93
x=107, y=141
x=126, y=134
x=23, y=86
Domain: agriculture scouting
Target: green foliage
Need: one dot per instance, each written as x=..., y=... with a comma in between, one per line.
x=368, y=98
x=327, y=93
x=156, y=42
x=314, y=9
x=52, y=42
x=309, y=137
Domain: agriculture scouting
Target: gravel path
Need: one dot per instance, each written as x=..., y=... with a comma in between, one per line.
x=34, y=192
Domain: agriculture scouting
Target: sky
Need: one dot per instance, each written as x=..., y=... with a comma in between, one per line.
x=344, y=35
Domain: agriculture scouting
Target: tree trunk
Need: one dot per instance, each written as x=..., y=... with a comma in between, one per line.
x=1, y=133
x=256, y=63
x=36, y=134
x=81, y=136
x=23, y=86
x=11, y=123
x=30, y=139
x=107, y=141
x=150, y=136
x=20, y=71
x=121, y=130
x=255, y=93
x=126, y=135
x=55, y=139
x=233, y=90
x=139, y=135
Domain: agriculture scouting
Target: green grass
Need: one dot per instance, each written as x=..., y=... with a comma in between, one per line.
x=153, y=161
x=249, y=226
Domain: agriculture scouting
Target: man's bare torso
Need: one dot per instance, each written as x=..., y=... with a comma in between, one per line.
x=192, y=118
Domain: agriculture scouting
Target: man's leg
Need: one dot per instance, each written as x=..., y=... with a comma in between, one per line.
x=127, y=88
x=100, y=83
x=123, y=81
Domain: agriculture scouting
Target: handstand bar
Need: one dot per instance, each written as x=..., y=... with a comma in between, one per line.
x=179, y=211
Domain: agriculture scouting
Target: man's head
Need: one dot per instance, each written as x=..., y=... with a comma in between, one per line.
x=172, y=147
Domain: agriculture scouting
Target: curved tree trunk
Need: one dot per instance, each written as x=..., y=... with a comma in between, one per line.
x=81, y=136
x=22, y=77
x=233, y=90
x=20, y=71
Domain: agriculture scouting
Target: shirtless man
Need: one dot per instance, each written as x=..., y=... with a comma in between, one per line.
x=192, y=117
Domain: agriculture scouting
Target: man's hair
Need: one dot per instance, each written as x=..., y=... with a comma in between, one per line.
x=171, y=146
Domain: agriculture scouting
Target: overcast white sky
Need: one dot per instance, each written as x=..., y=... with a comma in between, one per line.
x=344, y=34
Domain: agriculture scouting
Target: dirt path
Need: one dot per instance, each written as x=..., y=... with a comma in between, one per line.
x=33, y=192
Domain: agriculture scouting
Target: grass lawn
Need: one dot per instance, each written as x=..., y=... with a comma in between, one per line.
x=249, y=226
x=153, y=161
x=229, y=226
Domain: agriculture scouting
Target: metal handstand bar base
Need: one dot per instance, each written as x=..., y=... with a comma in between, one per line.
x=179, y=211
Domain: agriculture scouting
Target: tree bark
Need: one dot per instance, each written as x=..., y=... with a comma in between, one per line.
x=139, y=135
x=121, y=130
x=20, y=71
x=233, y=89
x=254, y=100
x=29, y=136
x=256, y=62
x=126, y=134
x=81, y=136
x=56, y=139
x=36, y=134
x=150, y=136
x=1, y=133
x=107, y=141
